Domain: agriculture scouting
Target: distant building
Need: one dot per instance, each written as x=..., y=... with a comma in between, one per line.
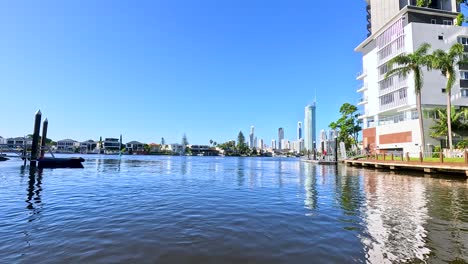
x=111, y=144
x=260, y=144
x=155, y=147
x=135, y=146
x=175, y=148
x=88, y=146
x=280, y=137
x=255, y=142
x=67, y=145
x=18, y=141
x=309, y=127
x=323, y=141
x=299, y=130
x=2, y=141
x=273, y=144
x=252, y=137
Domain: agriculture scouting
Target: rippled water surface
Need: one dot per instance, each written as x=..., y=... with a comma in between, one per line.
x=228, y=210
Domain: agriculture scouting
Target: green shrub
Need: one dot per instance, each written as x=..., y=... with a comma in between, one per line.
x=437, y=150
x=462, y=144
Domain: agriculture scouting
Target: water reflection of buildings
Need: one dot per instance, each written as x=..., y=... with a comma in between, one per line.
x=395, y=217
x=310, y=185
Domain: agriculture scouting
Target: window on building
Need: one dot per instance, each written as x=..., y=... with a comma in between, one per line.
x=444, y=90
x=441, y=37
x=464, y=92
x=447, y=22
x=402, y=93
x=463, y=40
x=433, y=21
x=464, y=75
x=387, y=99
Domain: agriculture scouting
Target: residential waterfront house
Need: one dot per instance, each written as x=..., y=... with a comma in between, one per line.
x=155, y=147
x=111, y=145
x=89, y=146
x=135, y=146
x=67, y=145
x=388, y=105
x=18, y=142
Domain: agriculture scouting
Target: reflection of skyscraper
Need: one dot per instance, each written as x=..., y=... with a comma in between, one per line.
x=251, y=137
x=299, y=130
x=309, y=127
x=280, y=137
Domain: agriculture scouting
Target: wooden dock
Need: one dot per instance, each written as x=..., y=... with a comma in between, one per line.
x=426, y=167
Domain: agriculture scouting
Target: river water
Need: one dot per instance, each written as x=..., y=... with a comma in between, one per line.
x=155, y=209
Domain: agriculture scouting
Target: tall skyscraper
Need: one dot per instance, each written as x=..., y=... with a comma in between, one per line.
x=273, y=144
x=280, y=137
x=252, y=137
x=309, y=127
x=388, y=105
x=299, y=130
x=260, y=144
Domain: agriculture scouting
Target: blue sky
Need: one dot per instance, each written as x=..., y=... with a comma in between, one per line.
x=152, y=69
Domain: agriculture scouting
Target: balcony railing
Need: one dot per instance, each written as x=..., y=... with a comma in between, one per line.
x=361, y=74
x=362, y=100
x=362, y=87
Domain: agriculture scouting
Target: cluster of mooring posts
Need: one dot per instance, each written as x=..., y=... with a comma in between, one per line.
x=38, y=158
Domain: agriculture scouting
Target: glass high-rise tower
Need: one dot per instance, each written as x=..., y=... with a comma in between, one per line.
x=280, y=137
x=309, y=127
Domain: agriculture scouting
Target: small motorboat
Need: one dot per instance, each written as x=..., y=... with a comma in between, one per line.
x=72, y=163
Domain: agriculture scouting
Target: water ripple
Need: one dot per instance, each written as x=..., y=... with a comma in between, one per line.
x=228, y=210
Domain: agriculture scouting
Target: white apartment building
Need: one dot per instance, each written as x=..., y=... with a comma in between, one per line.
x=2, y=141
x=390, y=119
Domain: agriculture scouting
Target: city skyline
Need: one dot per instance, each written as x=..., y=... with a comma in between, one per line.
x=150, y=69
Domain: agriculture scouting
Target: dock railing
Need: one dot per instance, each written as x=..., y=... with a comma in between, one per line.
x=460, y=158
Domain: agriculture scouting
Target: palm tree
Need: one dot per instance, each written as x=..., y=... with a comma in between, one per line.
x=447, y=63
x=412, y=62
x=459, y=122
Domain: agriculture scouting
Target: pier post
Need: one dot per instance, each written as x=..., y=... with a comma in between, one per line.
x=35, y=141
x=441, y=157
x=336, y=149
x=384, y=156
x=420, y=156
x=392, y=157
x=45, y=124
x=466, y=157
x=402, y=157
x=407, y=156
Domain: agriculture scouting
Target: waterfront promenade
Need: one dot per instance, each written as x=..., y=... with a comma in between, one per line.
x=393, y=164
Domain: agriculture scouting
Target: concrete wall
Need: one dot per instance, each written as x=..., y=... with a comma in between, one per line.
x=382, y=11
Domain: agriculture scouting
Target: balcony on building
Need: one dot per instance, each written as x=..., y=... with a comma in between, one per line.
x=362, y=100
x=361, y=75
x=363, y=114
x=362, y=87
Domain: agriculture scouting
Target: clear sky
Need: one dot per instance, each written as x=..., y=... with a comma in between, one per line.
x=162, y=68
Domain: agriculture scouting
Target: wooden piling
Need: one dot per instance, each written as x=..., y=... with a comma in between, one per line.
x=407, y=156
x=420, y=156
x=45, y=124
x=441, y=157
x=392, y=157
x=466, y=157
x=35, y=141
